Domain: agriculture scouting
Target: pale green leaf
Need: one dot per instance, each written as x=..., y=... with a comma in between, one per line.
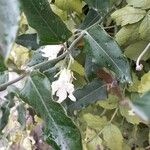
x=94, y=121
x=144, y=85
x=144, y=29
x=9, y=20
x=95, y=143
x=78, y=68
x=134, y=87
x=140, y=105
x=75, y=5
x=113, y=137
x=130, y=118
x=128, y=15
x=145, y=4
x=128, y=34
x=134, y=50
x=110, y=103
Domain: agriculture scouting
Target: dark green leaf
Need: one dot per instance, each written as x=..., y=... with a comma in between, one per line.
x=141, y=106
x=2, y=65
x=5, y=110
x=92, y=17
x=50, y=28
x=101, y=5
x=60, y=131
x=36, y=58
x=28, y=40
x=9, y=18
x=89, y=94
x=107, y=53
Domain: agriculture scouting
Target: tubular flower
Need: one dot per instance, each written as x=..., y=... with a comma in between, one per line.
x=63, y=86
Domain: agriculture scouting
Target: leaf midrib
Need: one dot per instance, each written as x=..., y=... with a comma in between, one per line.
x=43, y=19
x=42, y=100
x=105, y=52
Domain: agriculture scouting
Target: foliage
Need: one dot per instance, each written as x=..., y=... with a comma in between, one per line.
x=74, y=74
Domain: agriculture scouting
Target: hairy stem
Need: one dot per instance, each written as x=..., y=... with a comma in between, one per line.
x=139, y=66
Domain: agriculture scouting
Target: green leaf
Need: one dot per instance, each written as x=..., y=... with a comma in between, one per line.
x=28, y=40
x=101, y=6
x=9, y=19
x=140, y=105
x=128, y=34
x=145, y=4
x=134, y=50
x=36, y=58
x=111, y=103
x=144, y=85
x=128, y=15
x=50, y=28
x=107, y=53
x=130, y=118
x=94, y=121
x=5, y=110
x=60, y=131
x=89, y=94
x=112, y=137
x=144, y=29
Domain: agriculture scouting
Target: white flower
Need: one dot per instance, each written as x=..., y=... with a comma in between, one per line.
x=51, y=51
x=63, y=86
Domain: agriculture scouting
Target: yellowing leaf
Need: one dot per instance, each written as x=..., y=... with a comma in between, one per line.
x=125, y=113
x=110, y=103
x=128, y=34
x=62, y=14
x=145, y=4
x=112, y=137
x=144, y=29
x=134, y=50
x=95, y=143
x=75, y=5
x=144, y=86
x=128, y=15
x=78, y=68
x=19, y=55
x=95, y=121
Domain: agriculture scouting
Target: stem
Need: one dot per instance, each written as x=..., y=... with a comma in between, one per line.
x=61, y=56
x=139, y=66
x=5, y=85
x=38, y=66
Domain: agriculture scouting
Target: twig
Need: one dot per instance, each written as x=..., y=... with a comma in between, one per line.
x=5, y=85
x=139, y=66
x=61, y=56
x=38, y=66
x=113, y=116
